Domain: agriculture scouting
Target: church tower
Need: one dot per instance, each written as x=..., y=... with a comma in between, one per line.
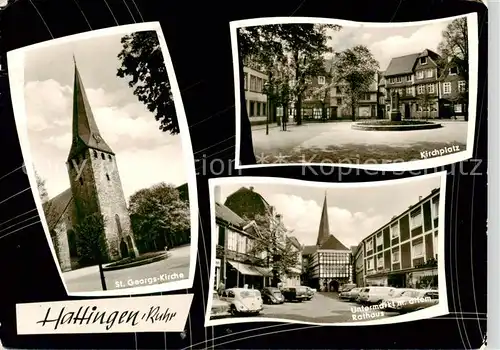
x=324, y=227
x=95, y=182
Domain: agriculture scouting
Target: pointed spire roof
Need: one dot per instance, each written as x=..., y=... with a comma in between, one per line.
x=324, y=227
x=86, y=134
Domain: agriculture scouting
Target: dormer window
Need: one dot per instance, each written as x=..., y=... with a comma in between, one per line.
x=109, y=157
x=453, y=70
x=423, y=60
x=95, y=154
x=321, y=80
x=103, y=156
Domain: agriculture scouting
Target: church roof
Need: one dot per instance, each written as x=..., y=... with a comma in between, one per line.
x=332, y=243
x=324, y=226
x=309, y=249
x=55, y=207
x=86, y=134
x=246, y=203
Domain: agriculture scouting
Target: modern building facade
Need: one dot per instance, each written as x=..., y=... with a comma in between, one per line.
x=359, y=266
x=328, y=264
x=255, y=98
x=426, y=90
x=403, y=253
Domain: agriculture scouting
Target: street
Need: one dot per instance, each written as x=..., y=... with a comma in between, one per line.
x=174, y=268
x=336, y=142
x=322, y=308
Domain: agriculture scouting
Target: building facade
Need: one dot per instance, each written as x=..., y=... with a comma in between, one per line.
x=359, y=266
x=255, y=98
x=292, y=278
x=328, y=264
x=426, y=90
x=403, y=253
x=95, y=189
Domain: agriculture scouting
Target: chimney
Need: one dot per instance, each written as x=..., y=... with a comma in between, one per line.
x=217, y=195
x=419, y=198
x=251, y=188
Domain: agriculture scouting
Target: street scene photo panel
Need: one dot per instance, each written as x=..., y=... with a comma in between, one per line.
x=322, y=91
x=109, y=158
x=308, y=252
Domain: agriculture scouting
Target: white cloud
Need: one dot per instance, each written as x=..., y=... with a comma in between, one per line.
x=303, y=217
x=426, y=37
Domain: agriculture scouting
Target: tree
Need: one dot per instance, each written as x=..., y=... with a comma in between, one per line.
x=454, y=50
x=279, y=90
x=425, y=101
x=159, y=216
x=354, y=71
x=307, y=272
x=42, y=190
x=322, y=92
x=307, y=45
x=142, y=60
x=272, y=247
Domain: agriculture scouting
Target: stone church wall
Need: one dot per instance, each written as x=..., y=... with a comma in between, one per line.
x=61, y=244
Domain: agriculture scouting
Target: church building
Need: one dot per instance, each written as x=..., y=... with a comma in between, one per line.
x=95, y=187
x=326, y=265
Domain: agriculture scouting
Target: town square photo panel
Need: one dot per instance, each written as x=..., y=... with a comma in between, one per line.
x=109, y=159
x=385, y=96
x=286, y=250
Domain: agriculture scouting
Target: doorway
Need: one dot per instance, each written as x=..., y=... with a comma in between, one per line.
x=123, y=249
x=334, y=286
x=407, y=111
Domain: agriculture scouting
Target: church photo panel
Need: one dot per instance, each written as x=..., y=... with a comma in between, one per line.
x=286, y=250
x=107, y=150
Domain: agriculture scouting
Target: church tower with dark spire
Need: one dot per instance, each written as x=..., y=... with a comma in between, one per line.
x=324, y=226
x=95, y=181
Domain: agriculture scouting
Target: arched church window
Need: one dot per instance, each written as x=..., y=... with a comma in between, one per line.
x=103, y=156
x=118, y=224
x=95, y=154
x=109, y=157
x=107, y=177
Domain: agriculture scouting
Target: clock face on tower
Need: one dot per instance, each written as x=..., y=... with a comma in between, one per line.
x=97, y=138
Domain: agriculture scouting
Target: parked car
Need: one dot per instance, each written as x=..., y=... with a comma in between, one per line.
x=412, y=300
x=294, y=293
x=346, y=287
x=375, y=295
x=243, y=300
x=220, y=307
x=351, y=294
x=310, y=293
x=271, y=295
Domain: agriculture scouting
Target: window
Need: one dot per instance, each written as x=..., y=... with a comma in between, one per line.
x=423, y=60
x=399, y=79
x=338, y=90
x=380, y=262
x=420, y=74
x=435, y=244
x=379, y=239
x=453, y=70
x=246, y=81
x=321, y=80
x=395, y=256
x=429, y=73
x=461, y=86
x=420, y=89
x=232, y=240
x=369, y=245
x=395, y=231
x=109, y=157
x=242, y=248
x=103, y=156
x=458, y=108
x=339, y=101
x=447, y=88
x=257, y=105
x=409, y=78
x=253, y=83
x=435, y=208
x=369, y=264
x=416, y=219
x=418, y=250
x=252, y=107
x=409, y=90
x=95, y=154
x=107, y=177
x=430, y=88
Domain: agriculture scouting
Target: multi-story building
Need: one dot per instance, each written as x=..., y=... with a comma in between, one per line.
x=403, y=252
x=423, y=86
x=316, y=104
x=293, y=276
x=235, y=263
x=367, y=104
x=382, y=97
x=255, y=98
x=359, y=266
x=327, y=265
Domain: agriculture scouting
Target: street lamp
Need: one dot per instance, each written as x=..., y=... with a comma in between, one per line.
x=267, y=87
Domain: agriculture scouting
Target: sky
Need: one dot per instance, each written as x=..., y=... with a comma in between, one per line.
x=145, y=155
x=353, y=213
x=386, y=43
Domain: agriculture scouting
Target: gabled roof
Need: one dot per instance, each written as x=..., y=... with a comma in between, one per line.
x=401, y=65
x=293, y=240
x=431, y=54
x=309, y=249
x=224, y=213
x=55, y=207
x=333, y=243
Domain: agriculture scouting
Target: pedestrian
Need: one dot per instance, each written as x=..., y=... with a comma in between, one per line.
x=284, y=121
x=221, y=288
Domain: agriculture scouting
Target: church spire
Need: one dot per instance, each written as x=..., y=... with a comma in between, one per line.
x=85, y=131
x=324, y=227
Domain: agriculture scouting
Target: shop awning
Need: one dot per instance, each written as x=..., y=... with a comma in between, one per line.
x=245, y=269
x=264, y=271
